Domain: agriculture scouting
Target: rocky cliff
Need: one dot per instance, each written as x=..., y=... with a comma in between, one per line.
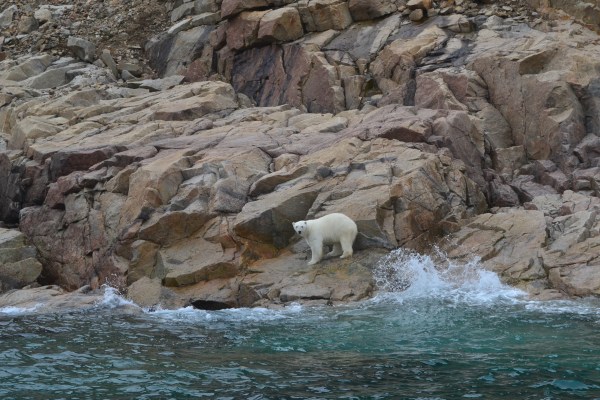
x=166, y=148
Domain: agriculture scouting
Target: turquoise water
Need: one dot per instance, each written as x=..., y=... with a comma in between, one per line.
x=428, y=335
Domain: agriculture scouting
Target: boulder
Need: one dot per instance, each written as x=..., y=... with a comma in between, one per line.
x=27, y=24
x=108, y=60
x=82, y=48
x=28, y=68
x=183, y=10
x=242, y=31
x=196, y=260
x=321, y=15
x=364, y=41
x=281, y=25
x=230, y=8
x=7, y=15
x=370, y=9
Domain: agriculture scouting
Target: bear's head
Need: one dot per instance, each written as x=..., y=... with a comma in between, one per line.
x=299, y=227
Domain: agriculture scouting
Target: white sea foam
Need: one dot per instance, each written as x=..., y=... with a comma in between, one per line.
x=404, y=274
x=113, y=299
x=590, y=306
x=256, y=314
x=18, y=310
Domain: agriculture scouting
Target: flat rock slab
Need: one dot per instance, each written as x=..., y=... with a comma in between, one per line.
x=49, y=299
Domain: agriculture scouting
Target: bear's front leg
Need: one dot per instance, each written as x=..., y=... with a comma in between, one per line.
x=316, y=249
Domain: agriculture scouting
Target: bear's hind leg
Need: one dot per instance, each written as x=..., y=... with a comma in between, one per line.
x=335, y=251
x=346, y=244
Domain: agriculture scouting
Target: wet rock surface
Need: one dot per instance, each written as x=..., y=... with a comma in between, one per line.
x=169, y=161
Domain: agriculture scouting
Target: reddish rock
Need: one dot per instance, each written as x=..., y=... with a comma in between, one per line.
x=242, y=31
x=281, y=25
x=419, y=4
x=370, y=9
x=67, y=161
x=230, y=8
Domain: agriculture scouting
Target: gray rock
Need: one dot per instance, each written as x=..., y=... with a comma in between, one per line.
x=31, y=67
x=365, y=40
x=131, y=67
x=43, y=15
x=169, y=53
x=7, y=15
x=126, y=75
x=27, y=24
x=81, y=48
x=182, y=11
x=52, y=77
x=206, y=6
x=109, y=62
x=48, y=79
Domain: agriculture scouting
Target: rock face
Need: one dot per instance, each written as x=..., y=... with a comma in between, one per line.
x=468, y=129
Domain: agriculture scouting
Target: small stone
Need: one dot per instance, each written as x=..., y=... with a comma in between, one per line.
x=43, y=15
x=416, y=15
x=126, y=75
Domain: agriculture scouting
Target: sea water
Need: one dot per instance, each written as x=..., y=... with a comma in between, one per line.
x=430, y=333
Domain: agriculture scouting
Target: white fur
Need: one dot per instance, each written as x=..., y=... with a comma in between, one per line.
x=335, y=230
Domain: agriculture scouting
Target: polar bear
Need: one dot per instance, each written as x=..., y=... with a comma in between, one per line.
x=334, y=229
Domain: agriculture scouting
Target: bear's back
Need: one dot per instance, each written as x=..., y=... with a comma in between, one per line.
x=331, y=226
